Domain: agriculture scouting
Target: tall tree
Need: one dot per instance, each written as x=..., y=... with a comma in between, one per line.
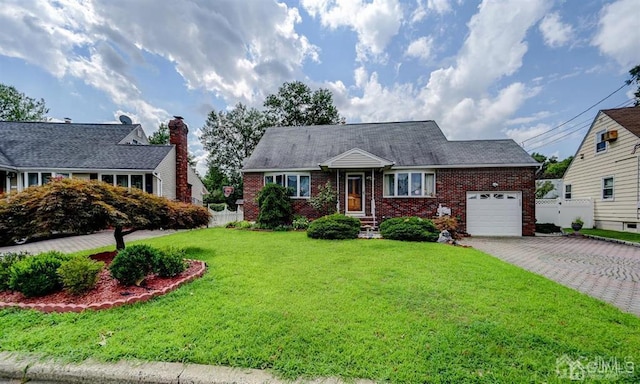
x=231, y=136
x=635, y=78
x=551, y=167
x=16, y=106
x=296, y=105
x=161, y=136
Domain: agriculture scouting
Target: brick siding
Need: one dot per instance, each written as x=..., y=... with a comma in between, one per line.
x=451, y=191
x=178, y=131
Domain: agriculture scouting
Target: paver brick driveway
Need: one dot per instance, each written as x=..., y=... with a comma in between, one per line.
x=604, y=270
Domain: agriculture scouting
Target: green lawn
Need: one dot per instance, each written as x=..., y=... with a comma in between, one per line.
x=378, y=309
x=627, y=236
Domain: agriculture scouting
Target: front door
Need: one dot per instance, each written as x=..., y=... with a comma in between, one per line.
x=3, y=182
x=355, y=188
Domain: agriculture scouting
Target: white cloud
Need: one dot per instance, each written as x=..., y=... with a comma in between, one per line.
x=554, y=31
x=439, y=6
x=524, y=133
x=376, y=23
x=224, y=47
x=463, y=98
x=618, y=35
x=420, y=48
x=434, y=6
x=528, y=119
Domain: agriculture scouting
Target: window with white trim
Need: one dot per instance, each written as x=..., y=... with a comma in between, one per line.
x=409, y=184
x=36, y=178
x=601, y=144
x=567, y=192
x=122, y=180
x=299, y=184
x=607, y=188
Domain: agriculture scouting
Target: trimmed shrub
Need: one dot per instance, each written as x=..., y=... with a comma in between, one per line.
x=300, y=222
x=80, y=274
x=409, y=229
x=6, y=262
x=275, y=206
x=38, y=275
x=132, y=264
x=170, y=262
x=334, y=226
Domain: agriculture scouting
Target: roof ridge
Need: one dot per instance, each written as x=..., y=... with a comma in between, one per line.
x=69, y=124
x=353, y=124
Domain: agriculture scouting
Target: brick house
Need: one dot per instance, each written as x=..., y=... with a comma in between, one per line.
x=33, y=152
x=384, y=170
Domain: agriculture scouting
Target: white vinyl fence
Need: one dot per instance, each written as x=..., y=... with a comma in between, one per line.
x=562, y=212
x=225, y=216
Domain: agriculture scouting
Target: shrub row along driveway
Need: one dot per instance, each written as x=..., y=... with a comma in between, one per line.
x=605, y=270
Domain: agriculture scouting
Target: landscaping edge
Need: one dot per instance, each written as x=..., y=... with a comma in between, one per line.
x=47, y=308
x=31, y=367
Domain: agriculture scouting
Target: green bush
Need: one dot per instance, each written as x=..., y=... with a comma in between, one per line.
x=218, y=207
x=80, y=274
x=132, y=264
x=170, y=262
x=37, y=275
x=275, y=206
x=325, y=200
x=239, y=225
x=334, y=226
x=6, y=261
x=300, y=222
x=409, y=229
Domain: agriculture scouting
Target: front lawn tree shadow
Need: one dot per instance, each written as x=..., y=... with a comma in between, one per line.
x=82, y=206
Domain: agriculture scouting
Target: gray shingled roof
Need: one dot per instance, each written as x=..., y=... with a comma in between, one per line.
x=419, y=143
x=83, y=146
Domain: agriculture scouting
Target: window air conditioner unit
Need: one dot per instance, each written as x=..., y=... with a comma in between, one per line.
x=611, y=135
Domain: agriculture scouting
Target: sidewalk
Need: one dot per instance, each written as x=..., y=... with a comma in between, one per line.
x=80, y=243
x=18, y=368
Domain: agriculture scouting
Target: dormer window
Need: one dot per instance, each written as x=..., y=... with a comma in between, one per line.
x=601, y=144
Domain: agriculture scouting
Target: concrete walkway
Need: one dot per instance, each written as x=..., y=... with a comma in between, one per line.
x=80, y=243
x=16, y=368
x=604, y=270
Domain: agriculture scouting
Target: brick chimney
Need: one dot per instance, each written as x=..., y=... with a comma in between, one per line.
x=178, y=136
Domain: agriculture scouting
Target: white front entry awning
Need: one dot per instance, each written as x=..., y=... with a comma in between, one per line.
x=356, y=159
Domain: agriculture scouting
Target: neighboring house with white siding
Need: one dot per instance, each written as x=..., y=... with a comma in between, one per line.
x=606, y=168
x=120, y=154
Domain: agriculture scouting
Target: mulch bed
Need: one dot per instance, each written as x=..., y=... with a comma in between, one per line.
x=107, y=293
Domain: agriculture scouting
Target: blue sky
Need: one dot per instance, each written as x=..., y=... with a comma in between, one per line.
x=491, y=69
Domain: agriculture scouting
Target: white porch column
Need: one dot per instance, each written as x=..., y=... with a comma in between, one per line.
x=338, y=190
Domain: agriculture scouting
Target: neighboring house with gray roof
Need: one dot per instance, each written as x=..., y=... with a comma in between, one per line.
x=383, y=170
x=606, y=169
x=33, y=152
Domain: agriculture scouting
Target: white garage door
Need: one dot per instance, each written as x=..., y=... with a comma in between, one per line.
x=494, y=213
